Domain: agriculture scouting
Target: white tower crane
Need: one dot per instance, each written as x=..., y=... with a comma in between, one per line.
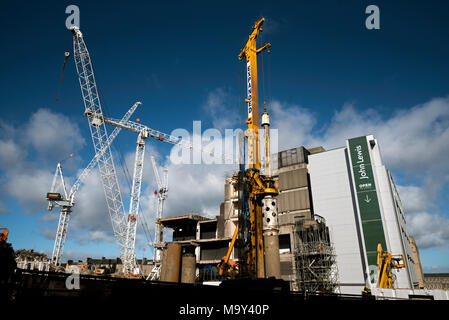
x=162, y=194
x=99, y=135
x=129, y=264
x=67, y=200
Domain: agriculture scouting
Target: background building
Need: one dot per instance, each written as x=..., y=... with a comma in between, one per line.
x=436, y=281
x=356, y=194
x=306, y=253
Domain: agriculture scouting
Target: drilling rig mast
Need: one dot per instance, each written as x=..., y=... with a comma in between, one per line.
x=259, y=188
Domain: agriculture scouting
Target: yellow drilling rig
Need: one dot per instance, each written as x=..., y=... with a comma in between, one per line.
x=258, y=214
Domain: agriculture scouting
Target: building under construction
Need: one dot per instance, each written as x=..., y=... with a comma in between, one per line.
x=307, y=257
x=277, y=223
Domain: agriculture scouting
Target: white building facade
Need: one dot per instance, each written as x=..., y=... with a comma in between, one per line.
x=355, y=193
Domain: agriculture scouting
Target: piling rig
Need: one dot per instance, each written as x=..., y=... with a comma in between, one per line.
x=258, y=213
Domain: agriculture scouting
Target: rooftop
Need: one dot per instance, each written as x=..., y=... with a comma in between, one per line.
x=176, y=222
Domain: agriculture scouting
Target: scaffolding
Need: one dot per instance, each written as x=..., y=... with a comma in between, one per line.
x=314, y=255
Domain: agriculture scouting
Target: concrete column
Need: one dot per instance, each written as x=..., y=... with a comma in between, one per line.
x=188, y=268
x=272, y=259
x=163, y=260
x=171, y=261
x=229, y=189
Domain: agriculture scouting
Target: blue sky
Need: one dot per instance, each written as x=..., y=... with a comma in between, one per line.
x=328, y=79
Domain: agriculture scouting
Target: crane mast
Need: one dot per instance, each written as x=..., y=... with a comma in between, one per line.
x=250, y=52
x=129, y=264
x=99, y=135
x=255, y=258
x=161, y=197
x=259, y=189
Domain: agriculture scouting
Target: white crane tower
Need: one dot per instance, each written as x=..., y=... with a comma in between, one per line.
x=162, y=194
x=99, y=135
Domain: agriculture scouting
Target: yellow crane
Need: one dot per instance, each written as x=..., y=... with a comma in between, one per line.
x=250, y=52
x=257, y=185
x=386, y=263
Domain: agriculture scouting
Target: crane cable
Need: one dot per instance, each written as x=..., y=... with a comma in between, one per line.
x=269, y=79
x=66, y=57
x=263, y=78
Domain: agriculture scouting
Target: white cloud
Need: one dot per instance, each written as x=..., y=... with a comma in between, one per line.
x=52, y=135
x=90, y=211
x=413, y=142
x=428, y=229
x=48, y=232
x=196, y=189
x=11, y=154
x=29, y=188
x=413, y=198
x=294, y=123
x=27, y=154
x=220, y=106
x=99, y=235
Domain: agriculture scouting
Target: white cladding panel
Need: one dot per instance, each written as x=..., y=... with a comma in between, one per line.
x=332, y=199
x=393, y=220
x=392, y=229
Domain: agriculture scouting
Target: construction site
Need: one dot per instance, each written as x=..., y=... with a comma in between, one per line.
x=280, y=234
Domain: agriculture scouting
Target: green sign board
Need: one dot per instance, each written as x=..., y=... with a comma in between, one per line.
x=367, y=199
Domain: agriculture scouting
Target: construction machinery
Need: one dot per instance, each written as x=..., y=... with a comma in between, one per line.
x=66, y=200
x=124, y=224
x=129, y=263
x=258, y=217
x=228, y=268
x=259, y=188
x=94, y=114
x=386, y=263
x=161, y=194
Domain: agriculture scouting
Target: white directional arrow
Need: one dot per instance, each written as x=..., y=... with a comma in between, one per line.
x=367, y=199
